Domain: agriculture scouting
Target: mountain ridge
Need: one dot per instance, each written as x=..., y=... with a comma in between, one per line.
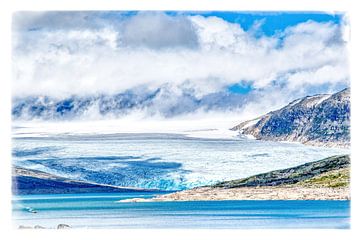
x=321, y=120
x=166, y=101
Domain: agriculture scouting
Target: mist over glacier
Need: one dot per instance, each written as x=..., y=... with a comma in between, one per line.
x=166, y=102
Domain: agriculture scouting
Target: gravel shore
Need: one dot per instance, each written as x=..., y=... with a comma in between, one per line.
x=253, y=193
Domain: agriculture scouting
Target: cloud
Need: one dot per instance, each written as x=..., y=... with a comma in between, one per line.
x=83, y=53
x=157, y=30
x=56, y=20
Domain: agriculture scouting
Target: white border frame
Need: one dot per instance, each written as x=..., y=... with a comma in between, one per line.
x=329, y=6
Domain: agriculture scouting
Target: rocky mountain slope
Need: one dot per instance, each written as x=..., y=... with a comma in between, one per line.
x=322, y=120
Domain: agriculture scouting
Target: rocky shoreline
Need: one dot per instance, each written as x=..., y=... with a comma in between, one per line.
x=59, y=226
x=252, y=193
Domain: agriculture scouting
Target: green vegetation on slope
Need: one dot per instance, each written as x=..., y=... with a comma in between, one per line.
x=333, y=179
x=329, y=172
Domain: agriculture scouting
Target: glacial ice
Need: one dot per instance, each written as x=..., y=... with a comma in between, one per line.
x=157, y=161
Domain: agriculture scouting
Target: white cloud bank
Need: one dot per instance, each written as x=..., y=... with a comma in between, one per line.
x=60, y=54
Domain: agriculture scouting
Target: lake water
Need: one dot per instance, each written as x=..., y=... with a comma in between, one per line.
x=159, y=161
x=104, y=211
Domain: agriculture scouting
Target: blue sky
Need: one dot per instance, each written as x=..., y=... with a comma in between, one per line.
x=272, y=22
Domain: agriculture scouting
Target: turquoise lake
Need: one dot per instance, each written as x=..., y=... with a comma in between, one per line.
x=104, y=211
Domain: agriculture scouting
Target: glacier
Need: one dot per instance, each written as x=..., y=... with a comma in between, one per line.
x=166, y=161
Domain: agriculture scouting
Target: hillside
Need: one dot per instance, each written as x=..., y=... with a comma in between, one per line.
x=322, y=120
x=303, y=173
